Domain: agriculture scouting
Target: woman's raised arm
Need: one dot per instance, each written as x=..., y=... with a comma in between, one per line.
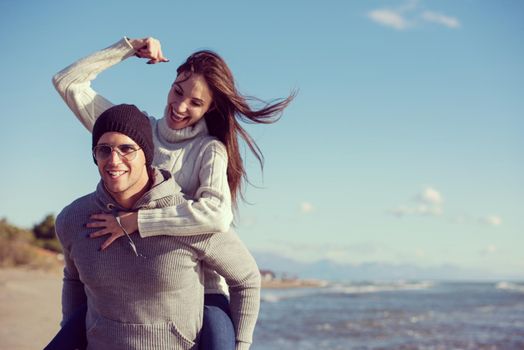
x=73, y=83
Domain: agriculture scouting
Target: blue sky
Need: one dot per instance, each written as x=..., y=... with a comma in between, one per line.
x=404, y=145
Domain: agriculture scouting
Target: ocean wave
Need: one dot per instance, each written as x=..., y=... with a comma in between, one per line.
x=380, y=287
x=331, y=289
x=279, y=295
x=514, y=287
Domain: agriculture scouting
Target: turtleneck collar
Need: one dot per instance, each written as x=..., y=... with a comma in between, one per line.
x=174, y=136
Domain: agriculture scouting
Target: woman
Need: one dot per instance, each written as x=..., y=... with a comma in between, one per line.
x=197, y=140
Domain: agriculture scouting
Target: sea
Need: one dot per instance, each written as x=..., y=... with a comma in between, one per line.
x=393, y=315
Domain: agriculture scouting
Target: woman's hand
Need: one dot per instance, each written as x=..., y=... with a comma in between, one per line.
x=148, y=48
x=109, y=226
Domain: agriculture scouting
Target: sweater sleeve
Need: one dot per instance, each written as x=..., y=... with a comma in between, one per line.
x=73, y=83
x=231, y=259
x=73, y=294
x=208, y=212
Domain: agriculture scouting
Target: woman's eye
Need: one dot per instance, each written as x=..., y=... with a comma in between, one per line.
x=196, y=103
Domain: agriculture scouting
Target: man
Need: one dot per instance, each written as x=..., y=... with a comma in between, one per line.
x=145, y=293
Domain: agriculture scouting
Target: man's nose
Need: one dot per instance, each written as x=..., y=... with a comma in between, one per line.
x=115, y=157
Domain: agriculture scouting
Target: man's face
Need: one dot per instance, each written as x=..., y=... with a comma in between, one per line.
x=123, y=175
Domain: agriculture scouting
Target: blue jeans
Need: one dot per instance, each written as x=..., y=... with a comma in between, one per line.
x=217, y=331
x=72, y=335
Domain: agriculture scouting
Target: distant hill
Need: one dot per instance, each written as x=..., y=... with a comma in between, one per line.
x=370, y=271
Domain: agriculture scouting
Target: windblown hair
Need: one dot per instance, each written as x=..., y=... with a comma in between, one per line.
x=230, y=107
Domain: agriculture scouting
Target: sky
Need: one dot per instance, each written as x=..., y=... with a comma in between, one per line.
x=404, y=144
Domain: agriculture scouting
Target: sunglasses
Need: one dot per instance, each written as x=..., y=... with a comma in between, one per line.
x=103, y=152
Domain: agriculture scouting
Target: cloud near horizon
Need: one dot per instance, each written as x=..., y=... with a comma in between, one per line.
x=438, y=18
x=388, y=18
x=428, y=202
x=338, y=252
x=406, y=16
x=489, y=250
x=306, y=207
x=492, y=220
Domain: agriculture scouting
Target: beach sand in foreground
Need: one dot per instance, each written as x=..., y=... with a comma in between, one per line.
x=30, y=309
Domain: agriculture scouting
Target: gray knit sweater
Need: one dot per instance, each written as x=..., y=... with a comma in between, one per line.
x=155, y=300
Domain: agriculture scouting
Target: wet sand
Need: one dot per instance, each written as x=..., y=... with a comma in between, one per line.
x=30, y=309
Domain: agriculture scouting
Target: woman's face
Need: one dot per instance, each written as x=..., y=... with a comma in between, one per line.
x=188, y=100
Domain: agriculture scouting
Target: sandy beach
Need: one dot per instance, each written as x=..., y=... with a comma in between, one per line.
x=29, y=307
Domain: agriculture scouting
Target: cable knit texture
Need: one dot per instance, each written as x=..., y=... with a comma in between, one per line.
x=155, y=300
x=197, y=161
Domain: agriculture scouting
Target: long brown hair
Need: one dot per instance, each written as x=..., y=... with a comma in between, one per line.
x=229, y=107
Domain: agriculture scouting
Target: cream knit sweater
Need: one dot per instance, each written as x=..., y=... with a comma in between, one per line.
x=197, y=161
x=153, y=301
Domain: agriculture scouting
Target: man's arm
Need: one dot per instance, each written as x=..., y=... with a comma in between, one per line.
x=73, y=294
x=230, y=258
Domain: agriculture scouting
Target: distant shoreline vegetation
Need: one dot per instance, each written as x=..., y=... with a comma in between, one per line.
x=37, y=248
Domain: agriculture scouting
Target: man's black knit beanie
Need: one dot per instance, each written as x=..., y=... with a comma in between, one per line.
x=128, y=120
